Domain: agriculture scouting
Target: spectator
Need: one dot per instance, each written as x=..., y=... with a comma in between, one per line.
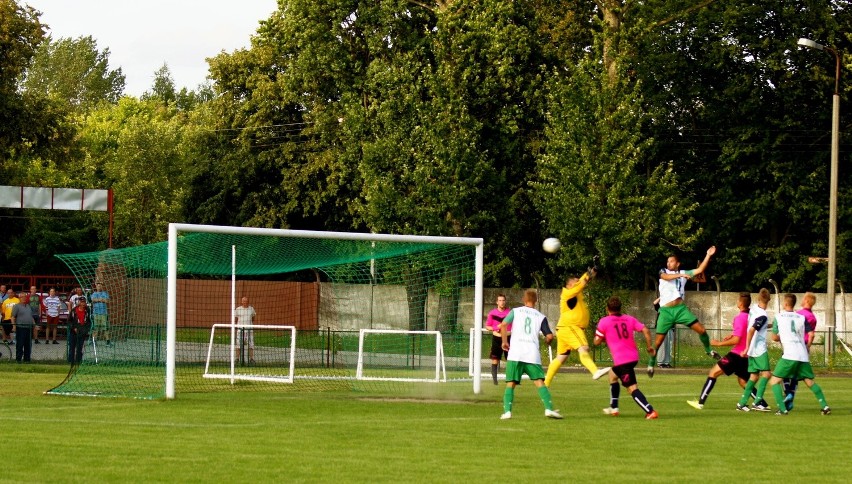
x=22, y=325
x=72, y=301
x=6, y=308
x=34, y=301
x=100, y=299
x=245, y=314
x=3, y=294
x=79, y=325
x=51, y=308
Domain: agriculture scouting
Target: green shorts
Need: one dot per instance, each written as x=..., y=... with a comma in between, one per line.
x=515, y=370
x=671, y=315
x=101, y=322
x=793, y=369
x=756, y=364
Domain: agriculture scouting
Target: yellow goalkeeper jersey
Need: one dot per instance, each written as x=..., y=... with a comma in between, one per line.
x=573, y=310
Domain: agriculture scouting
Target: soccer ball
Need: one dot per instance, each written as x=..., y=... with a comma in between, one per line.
x=551, y=245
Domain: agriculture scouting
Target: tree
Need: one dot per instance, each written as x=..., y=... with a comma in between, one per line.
x=75, y=73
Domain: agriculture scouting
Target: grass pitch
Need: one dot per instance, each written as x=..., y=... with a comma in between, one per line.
x=454, y=436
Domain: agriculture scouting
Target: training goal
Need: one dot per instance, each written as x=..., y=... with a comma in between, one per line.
x=329, y=311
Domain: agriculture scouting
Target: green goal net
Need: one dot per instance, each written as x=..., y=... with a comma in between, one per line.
x=220, y=308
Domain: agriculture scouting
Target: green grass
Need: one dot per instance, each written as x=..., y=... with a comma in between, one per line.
x=447, y=434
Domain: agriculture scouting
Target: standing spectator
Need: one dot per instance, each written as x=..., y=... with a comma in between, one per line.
x=22, y=325
x=245, y=314
x=72, y=301
x=34, y=300
x=100, y=299
x=79, y=325
x=616, y=330
x=3, y=294
x=51, y=308
x=6, y=307
x=495, y=317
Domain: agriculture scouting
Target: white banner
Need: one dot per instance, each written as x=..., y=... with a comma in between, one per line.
x=55, y=198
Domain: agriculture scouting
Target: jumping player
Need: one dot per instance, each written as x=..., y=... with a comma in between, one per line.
x=617, y=330
x=495, y=317
x=672, y=308
x=757, y=353
x=571, y=329
x=733, y=362
x=789, y=329
x=524, y=356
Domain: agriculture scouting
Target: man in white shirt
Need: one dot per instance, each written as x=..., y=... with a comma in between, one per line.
x=245, y=314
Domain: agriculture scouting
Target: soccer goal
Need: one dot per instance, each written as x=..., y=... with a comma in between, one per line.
x=262, y=352
x=167, y=298
x=400, y=355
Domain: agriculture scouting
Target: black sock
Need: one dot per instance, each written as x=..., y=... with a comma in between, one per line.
x=640, y=400
x=494, y=372
x=705, y=392
x=614, y=391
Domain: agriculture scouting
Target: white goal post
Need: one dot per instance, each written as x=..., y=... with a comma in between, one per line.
x=231, y=348
x=440, y=365
x=178, y=229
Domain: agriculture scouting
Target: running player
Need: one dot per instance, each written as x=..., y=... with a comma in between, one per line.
x=789, y=329
x=757, y=353
x=790, y=385
x=733, y=362
x=495, y=317
x=524, y=356
x=672, y=308
x=571, y=329
x=617, y=330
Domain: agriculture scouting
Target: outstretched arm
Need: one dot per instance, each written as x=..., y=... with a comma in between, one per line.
x=703, y=265
x=650, y=346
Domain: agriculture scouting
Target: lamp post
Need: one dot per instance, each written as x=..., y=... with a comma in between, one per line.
x=831, y=315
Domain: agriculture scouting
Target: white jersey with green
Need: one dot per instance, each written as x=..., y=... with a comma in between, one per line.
x=527, y=323
x=790, y=327
x=673, y=289
x=759, y=320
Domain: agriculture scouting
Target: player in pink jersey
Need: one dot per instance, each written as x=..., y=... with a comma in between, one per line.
x=617, y=330
x=791, y=384
x=733, y=362
x=495, y=317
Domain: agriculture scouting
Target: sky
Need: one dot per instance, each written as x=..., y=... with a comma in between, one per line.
x=142, y=35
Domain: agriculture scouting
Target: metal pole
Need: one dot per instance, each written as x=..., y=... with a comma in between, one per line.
x=718, y=303
x=777, y=296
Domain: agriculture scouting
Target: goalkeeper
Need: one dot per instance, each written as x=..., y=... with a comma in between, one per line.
x=571, y=329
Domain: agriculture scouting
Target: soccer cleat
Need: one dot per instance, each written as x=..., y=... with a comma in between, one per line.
x=788, y=401
x=762, y=408
x=552, y=414
x=611, y=411
x=826, y=410
x=650, y=371
x=714, y=354
x=652, y=416
x=742, y=408
x=694, y=404
x=781, y=412
x=665, y=365
x=506, y=416
x=601, y=372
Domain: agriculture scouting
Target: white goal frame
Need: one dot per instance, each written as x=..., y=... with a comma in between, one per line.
x=440, y=364
x=233, y=375
x=172, y=281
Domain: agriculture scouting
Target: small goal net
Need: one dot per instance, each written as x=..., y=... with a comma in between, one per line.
x=399, y=355
x=262, y=352
x=172, y=306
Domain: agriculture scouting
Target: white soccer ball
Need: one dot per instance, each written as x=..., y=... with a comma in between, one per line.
x=551, y=245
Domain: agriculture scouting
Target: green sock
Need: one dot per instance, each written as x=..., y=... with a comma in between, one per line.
x=544, y=394
x=652, y=361
x=761, y=388
x=705, y=340
x=508, y=396
x=747, y=393
x=779, y=396
x=818, y=392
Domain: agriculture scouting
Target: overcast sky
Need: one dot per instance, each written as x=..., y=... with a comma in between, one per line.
x=142, y=35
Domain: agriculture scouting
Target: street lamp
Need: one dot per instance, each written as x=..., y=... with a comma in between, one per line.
x=832, y=207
